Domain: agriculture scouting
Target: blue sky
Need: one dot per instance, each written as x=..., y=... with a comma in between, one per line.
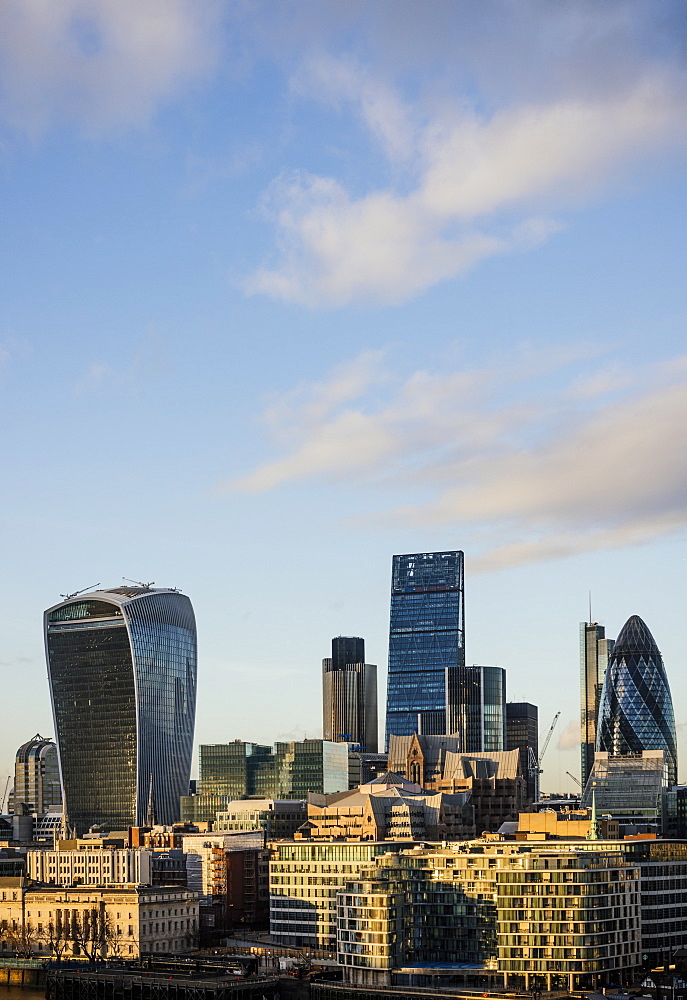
x=288, y=288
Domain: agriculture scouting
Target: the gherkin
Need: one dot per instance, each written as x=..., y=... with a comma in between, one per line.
x=636, y=710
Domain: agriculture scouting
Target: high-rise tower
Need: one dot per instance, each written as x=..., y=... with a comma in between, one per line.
x=595, y=650
x=426, y=642
x=636, y=711
x=349, y=694
x=36, y=777
x=122, y=671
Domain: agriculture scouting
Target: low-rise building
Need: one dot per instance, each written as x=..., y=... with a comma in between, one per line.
x=215, y=876
x=96, y=922
x=279, y=818
x=389, y=807
x=304, y=880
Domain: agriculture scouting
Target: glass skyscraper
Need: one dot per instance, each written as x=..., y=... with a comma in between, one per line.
x=636, y=711
x=595, y=649
x=426, y=643
x=122, y=671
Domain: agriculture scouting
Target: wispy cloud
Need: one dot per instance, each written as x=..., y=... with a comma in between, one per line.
x=147, y=360
x=477, y=164
x=513, y=455
x=99, y=63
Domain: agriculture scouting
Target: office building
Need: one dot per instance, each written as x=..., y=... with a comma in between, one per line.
x=515, y=916
x=278, y=818
x=93, y=923
x=636, y=710
x=349, y=695
x=231, y=771
x=494, y=780
x=221, y=880
x=630, y=789
x=389, y=808
x=426, y=643
x=228, y=771
x=122, y=671
x=478, y=697
x=304, y=879
x=522, y=734
x=595, y=650
x=36, y=778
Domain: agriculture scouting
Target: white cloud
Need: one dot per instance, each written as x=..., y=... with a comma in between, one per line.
x=466, y=185
x=101, y=63
x=527, y=473
x=569, y=739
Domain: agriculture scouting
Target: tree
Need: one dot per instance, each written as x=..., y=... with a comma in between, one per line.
x=22, y=938
x=57, y=935
x=89, y=932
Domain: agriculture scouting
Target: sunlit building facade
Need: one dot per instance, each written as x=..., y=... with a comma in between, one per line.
x=636, y=710
x=349, y=695
x=122, y=672
x=595, y=650
x=36, y=777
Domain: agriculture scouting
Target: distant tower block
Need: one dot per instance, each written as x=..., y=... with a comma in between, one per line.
x=595, y=650
x=349, y=694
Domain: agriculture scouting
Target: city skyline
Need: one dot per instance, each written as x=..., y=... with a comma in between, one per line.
x=286, y=292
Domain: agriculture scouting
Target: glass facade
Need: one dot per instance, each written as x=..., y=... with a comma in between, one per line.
x=636, y=711
x=595, y=649
x=122, y=671
x=36, y=777
x=522, y=734
x=426, y=642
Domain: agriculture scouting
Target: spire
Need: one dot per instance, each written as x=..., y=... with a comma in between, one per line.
x=593, y=824
x=150, y=814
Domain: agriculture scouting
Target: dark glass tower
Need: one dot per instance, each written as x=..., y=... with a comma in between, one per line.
x=595, y=650
x=426, y=643
x=349, y=695
x=522, y=733
x=122, y=671
x=636, y=711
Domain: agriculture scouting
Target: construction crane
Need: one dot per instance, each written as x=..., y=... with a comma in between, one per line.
x=576, y=780
x=4, y=794
x=548, y=739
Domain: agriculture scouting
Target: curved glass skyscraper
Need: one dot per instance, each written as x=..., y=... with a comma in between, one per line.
x=636, y=710
x=122, y=671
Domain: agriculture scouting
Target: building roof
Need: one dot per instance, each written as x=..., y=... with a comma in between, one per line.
x=495, y=764
x=635, y=637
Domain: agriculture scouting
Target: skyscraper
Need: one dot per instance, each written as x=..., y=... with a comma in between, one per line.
x=636, y=711
x=426, y=643
x=522, y=733
x=36, y=777
x=595, y=650
x=477, y=707
x=122, y=671
x=349, y=694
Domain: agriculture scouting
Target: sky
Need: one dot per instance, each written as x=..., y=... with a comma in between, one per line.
x=288, y=288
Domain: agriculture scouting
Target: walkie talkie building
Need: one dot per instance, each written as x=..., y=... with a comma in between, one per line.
x=122, y=671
